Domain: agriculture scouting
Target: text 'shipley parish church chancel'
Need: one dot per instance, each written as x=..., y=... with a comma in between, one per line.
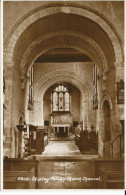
x=63, y=74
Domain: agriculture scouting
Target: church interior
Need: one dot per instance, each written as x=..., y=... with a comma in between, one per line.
x=63, y=92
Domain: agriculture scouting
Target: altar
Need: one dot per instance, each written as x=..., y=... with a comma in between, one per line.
x=61, y=130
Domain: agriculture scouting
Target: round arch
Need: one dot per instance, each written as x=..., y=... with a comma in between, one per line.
x=58, y=7
x=66, y=39
x=53, y=77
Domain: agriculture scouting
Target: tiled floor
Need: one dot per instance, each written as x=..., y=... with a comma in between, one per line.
x=66, y=173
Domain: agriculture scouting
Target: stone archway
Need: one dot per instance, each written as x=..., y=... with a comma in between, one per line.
x=59, y=7
x=35, y=15
x=65, y=39
x=60, y=76
x=55, y=77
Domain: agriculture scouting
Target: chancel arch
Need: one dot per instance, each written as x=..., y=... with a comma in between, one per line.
x=62, y=76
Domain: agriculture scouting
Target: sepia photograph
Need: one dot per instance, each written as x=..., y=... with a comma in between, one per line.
x=63, y=95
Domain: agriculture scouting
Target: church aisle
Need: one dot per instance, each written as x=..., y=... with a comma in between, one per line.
x=65, y=175
x=59, y=148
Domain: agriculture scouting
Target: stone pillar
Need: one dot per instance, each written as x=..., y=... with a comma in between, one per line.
x=51, y=121
x=85, y=117
x=20, y=144
x=71, y=110
x=82, y=110
x=119, y=109
x=8, y=138
x=38, y=113
x=26, y=103
x=101, y=134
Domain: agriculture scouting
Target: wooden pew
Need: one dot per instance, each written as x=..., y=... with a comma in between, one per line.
x=77, y=140
x=111, y=179
x=15, y=164
x=18, y=180
x=38, y=145
x=111, y=165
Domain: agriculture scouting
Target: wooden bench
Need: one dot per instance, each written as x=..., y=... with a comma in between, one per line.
x=39, y=143
x=15, y=165
x=111, y=165
x=77, y=140
x=18, y=180
x=111, y=179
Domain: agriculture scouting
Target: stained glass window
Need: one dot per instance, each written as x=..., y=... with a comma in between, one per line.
x=67, y=101
x=55, y=101
x=61, y=98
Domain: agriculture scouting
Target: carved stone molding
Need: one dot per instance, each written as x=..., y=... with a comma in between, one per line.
x=53, y=77
x=65, y=39
x=55, y=7
x=60, y=4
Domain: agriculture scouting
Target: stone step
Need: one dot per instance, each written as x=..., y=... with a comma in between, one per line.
x=65, y=158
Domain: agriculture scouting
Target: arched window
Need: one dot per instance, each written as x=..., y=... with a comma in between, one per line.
x=60, y=98
x=31, y=89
